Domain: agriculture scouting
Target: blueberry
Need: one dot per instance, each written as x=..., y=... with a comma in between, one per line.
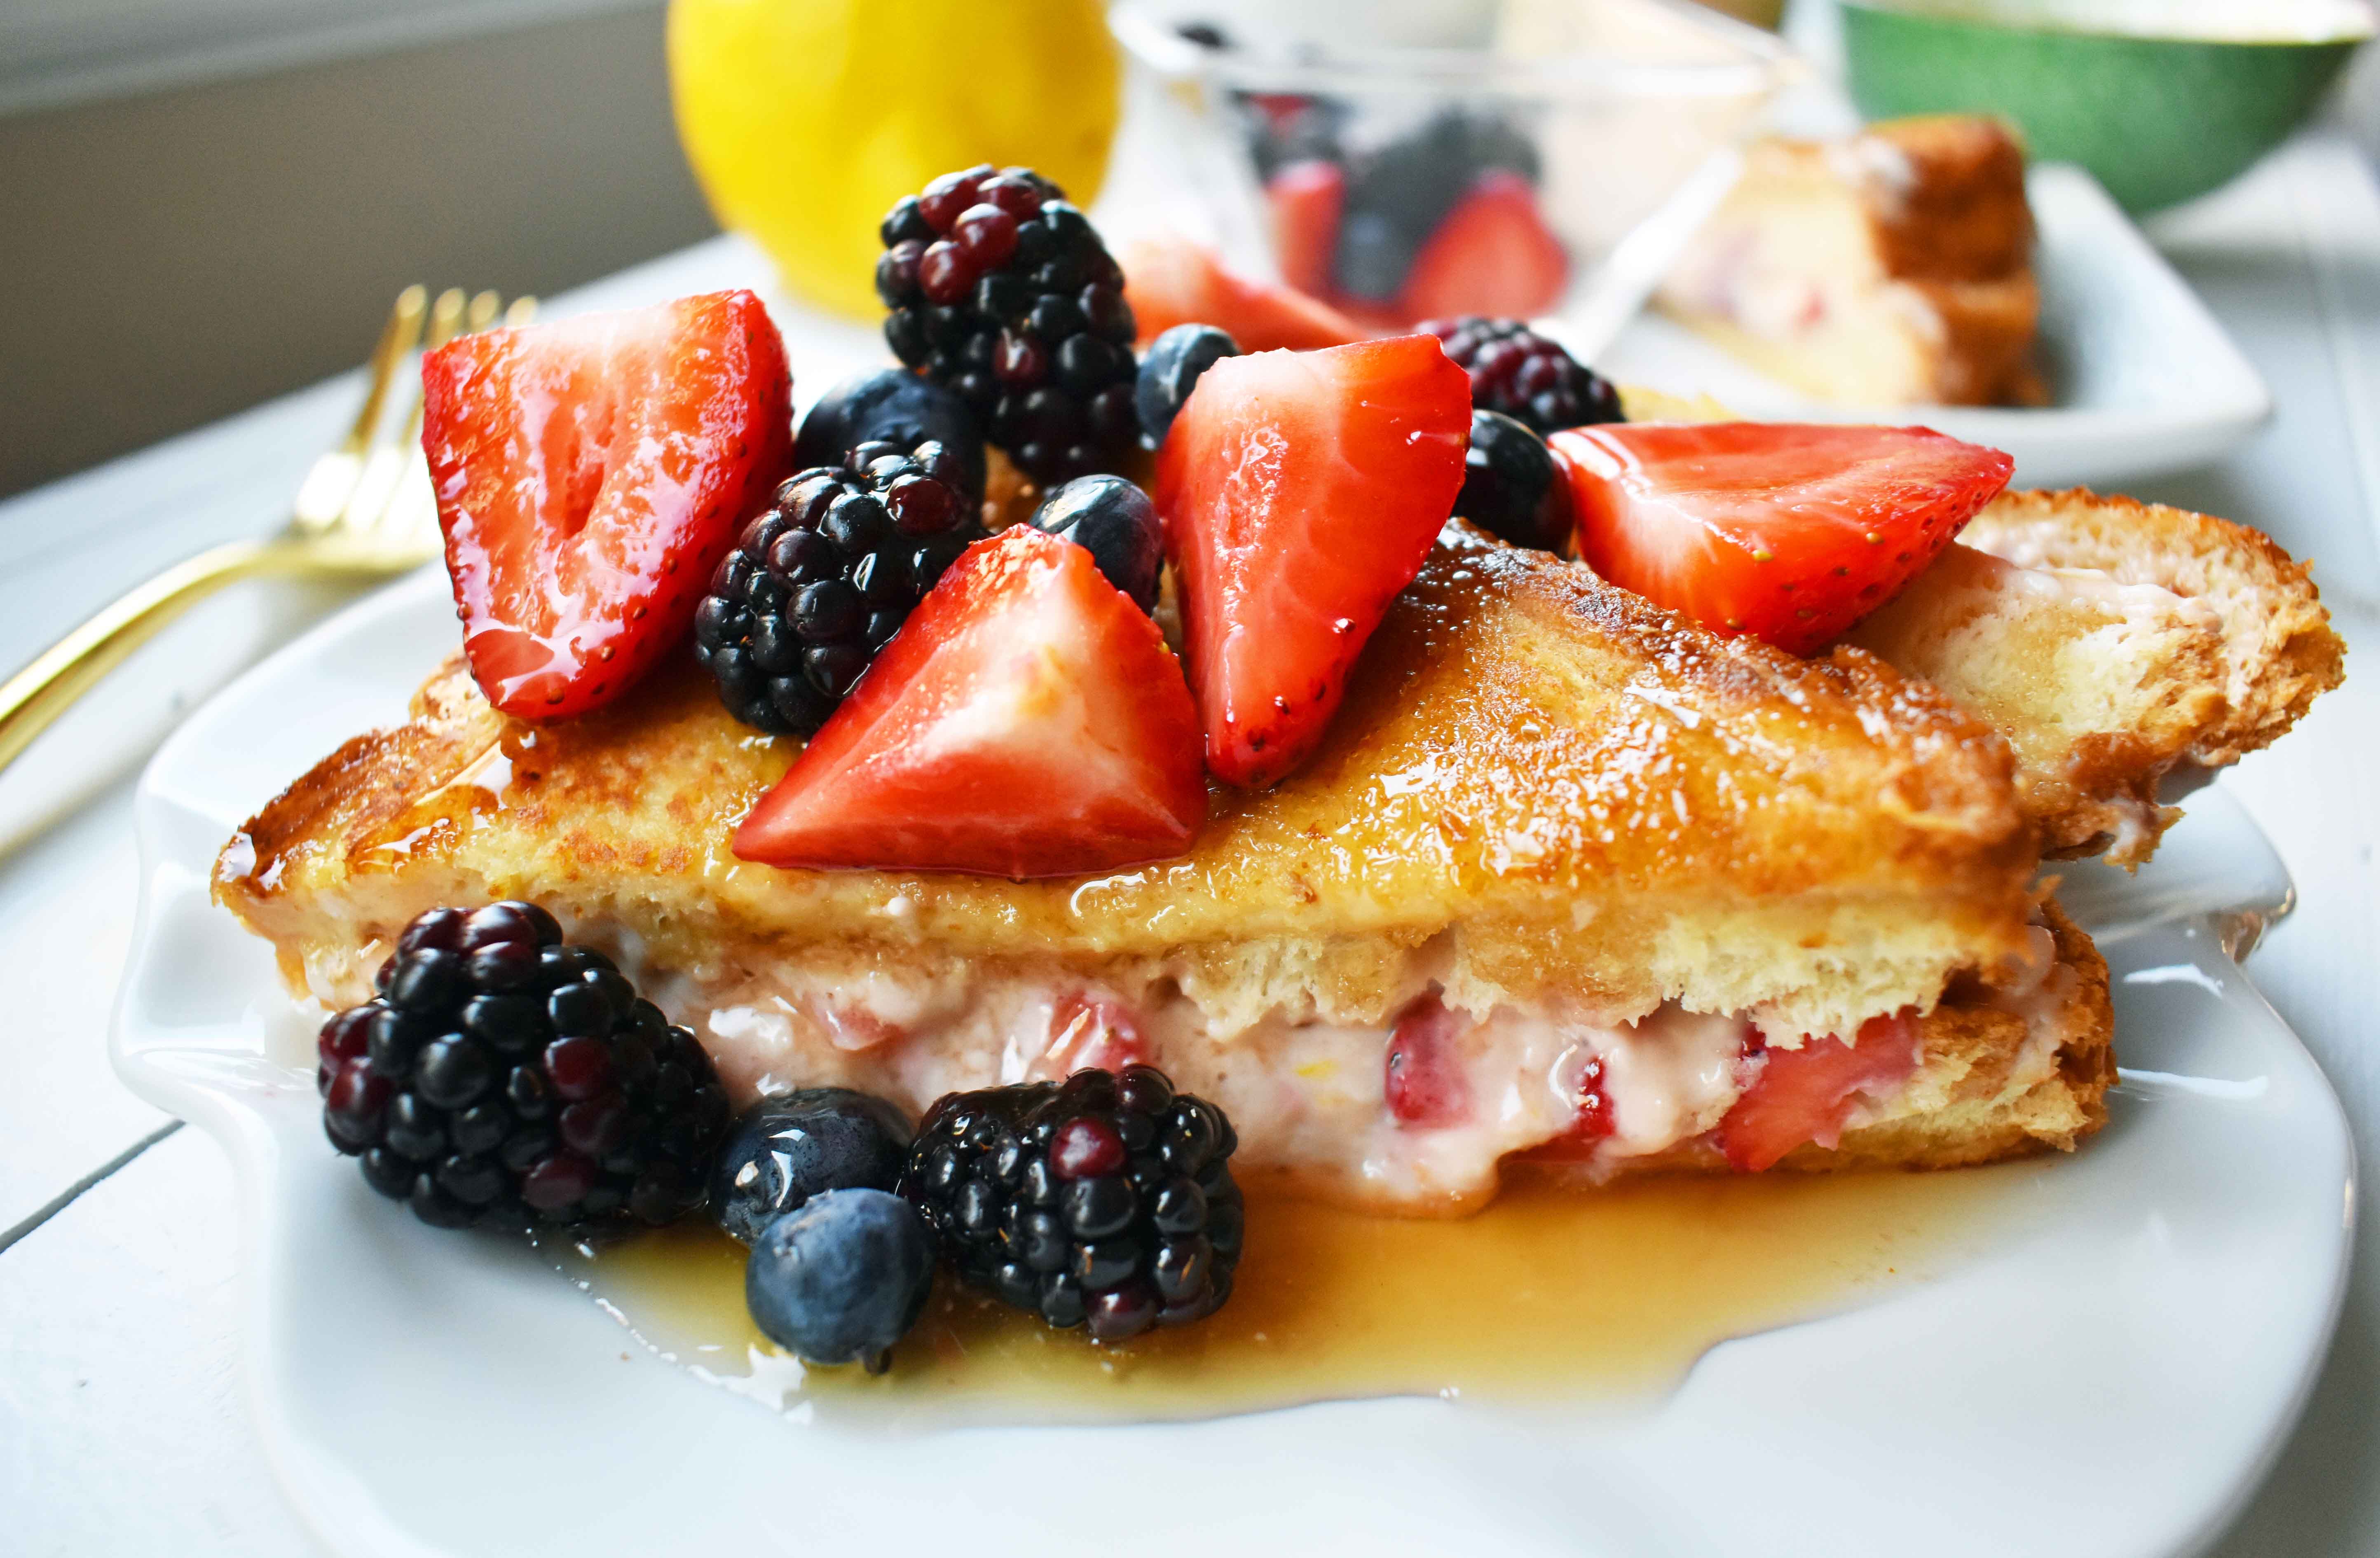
x=1113, y=521
x=841, y=1279
x=1170, y=371
x=895, y=406
x=1511, y=485
x=787, y=1149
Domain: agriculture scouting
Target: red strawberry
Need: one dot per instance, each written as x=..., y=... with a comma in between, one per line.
x=1424, y=1083
x=1792, y=533
x=1300, y=492
x=1306, y=197
x=1027, y=720
x=1805, y=1094
x=1171, y=281
x=591, y=474
x=1492, y=254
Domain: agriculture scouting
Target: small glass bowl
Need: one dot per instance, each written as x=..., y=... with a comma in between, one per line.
x=1405, y=160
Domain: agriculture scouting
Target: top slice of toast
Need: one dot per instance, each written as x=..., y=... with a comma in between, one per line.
x=1558, y=788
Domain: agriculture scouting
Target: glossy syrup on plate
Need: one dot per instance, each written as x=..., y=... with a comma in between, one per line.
x=1553, y=1294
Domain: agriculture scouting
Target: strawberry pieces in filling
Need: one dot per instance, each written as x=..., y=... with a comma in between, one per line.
x=1805, y=1094
x=589, y=475
x=1027, y=720
x=1791, y=532
x=1424, y=1084
x=1300, y=492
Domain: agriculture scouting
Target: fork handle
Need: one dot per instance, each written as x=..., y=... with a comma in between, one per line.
x=43, y=690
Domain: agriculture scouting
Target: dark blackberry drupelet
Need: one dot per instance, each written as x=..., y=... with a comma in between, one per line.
x=1105, y=1201
x=819, y=583
x=1515, y=370
x=1002, y=291
x=503, y=1077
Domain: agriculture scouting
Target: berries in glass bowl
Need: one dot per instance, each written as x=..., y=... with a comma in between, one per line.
x=1106, y=1200
x=505, y=1077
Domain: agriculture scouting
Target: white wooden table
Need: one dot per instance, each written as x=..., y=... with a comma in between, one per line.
x=123, y=1429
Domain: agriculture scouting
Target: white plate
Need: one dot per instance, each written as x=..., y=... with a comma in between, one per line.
x=2109, y=1378
x=2146, y=381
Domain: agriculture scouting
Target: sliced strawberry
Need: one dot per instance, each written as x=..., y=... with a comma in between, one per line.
x=1027, y=720
x=1306, y=198
x=1792, y=533
x=1424, y=1083
x=1300, y=492
x=591, y=474
x=1492, y=254
x=1805, y=1094
x=1171, y=281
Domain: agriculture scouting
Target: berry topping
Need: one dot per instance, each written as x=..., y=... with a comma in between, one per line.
x=1515, y=370
x=1492, y=255
x=1791, y=532
x=787, y=1149
x=1114, y=521
x=889, y=405
x=1105, y=1201
x=1003, y=292
x=1300, y=492
x=1028, y=723
x=1513, y=487
x=591, y=474
x=819, y=583
x=505, y=1077
x=1805, y=1094
x=843, y=1278
x=1170, y=370
x=1173, y=281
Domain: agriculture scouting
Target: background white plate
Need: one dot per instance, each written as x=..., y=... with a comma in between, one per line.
x=2109, y=1378
x=2144, y=380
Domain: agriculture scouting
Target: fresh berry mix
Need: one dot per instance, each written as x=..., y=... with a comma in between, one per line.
x=1170, y=371
x=843, y=1278
x=1105, y=1201
x=1515, y=370
x=1397, y=197
x=1113, y=521
x=506, y=1078
x=787, y=1149
x=1511, y=488
x=1002, y=291
x=819, y=583
x=889, y=405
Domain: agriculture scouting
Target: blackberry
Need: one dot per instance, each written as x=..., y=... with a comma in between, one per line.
x=503, y=1077
x=1106, y=1200
x=1510, y=485
x=1515, y=370
x=1002, y=291
x=820, y=582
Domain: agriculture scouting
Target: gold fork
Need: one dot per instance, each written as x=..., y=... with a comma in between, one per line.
x=365, y=511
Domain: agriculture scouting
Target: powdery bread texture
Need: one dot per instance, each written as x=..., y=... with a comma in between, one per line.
x=2113, y=642
x=1577, y=793
x=1888, y=268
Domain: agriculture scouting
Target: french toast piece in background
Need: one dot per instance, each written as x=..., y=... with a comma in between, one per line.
x=2118, y=645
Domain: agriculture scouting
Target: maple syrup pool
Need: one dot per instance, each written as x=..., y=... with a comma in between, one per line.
x=1550, y=1295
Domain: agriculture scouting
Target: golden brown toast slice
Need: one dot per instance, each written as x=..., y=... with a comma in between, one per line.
x=1565, y=822
x=2114, y=644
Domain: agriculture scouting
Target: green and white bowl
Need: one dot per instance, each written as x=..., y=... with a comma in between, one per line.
x=2157, y=117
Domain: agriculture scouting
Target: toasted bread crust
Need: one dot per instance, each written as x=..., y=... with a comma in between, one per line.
x=2187, y=641
x=1579, y=787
